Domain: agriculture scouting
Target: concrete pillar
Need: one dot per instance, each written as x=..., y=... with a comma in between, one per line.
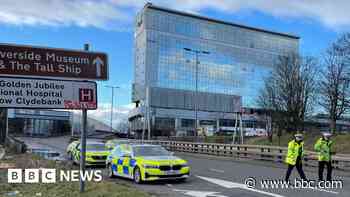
x=177, y=124
x=217, y=125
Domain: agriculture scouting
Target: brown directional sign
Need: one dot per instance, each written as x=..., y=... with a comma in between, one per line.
x=51, y=62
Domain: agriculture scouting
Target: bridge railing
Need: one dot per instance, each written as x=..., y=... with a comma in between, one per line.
x=255, y=152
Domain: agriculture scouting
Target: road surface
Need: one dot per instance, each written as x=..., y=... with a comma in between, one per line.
x=219, y=177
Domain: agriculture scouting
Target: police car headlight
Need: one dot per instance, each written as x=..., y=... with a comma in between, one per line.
x=150, y=166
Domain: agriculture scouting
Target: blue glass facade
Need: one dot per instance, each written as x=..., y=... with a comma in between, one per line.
x=238, y=61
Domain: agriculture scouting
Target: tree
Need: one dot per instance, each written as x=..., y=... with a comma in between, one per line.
x=289, y=91
x=334, y=83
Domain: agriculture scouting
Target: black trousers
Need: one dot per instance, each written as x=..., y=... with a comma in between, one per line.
x=321, y=165
x=299, y=167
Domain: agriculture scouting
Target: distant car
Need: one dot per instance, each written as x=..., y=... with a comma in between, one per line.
x=96, y=152
x=110, y=144
x=142, y=162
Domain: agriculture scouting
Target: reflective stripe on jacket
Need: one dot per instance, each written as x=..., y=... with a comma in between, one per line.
x=293, y=152
x=323, y=148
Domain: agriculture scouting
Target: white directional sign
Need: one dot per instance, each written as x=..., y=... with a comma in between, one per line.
x=47, y=94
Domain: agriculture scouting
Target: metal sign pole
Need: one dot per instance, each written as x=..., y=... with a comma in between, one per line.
x=241, y=127
x=6, y=123
x=83, y=142
x=235, y=130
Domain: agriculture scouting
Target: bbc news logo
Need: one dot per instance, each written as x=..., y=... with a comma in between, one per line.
x=51, y=175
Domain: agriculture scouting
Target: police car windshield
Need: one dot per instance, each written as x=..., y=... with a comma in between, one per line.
x=96, y=147
x=145, y=151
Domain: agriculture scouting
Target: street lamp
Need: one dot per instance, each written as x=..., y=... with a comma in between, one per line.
x=112, y=87
x=197, y=52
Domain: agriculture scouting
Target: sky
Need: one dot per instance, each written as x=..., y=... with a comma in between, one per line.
x=107, y=25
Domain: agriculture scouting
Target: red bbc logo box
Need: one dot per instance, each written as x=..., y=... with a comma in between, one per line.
x=86, y=95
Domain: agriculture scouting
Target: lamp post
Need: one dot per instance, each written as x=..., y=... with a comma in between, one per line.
x=112, y=87
x=196, y=52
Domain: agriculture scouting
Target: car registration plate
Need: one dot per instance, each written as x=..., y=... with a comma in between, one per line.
x=172, y=172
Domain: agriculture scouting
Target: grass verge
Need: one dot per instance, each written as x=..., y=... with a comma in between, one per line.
x=341, y=141
x=105, y=188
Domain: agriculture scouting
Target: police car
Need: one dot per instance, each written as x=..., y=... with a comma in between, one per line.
x=110, y=144
x=142, y=162
x=96, y=152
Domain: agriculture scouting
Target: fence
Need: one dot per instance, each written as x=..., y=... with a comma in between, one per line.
x=255, y=152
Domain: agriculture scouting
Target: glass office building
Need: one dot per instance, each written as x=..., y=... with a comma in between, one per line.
x=39, y=123
x=188, y=54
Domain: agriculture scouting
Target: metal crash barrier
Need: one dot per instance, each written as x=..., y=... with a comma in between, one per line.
x=254, y=152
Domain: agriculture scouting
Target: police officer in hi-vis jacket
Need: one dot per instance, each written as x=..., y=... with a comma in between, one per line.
x=323, y=147
x=295, y=156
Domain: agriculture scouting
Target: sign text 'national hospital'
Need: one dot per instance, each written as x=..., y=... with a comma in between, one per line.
x=50, y=62
x=48, y=94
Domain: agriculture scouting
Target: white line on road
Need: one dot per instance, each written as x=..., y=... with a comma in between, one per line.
x=2, y=152
x=216, y=170
x=228, y=184
x=323, y=190
x=199, y=193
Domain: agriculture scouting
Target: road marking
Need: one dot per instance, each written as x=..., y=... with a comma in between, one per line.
x=216, y=170
x=199, y=193
x=228, y=184
x=169, y=185
x=2, y=152
x=323, y=190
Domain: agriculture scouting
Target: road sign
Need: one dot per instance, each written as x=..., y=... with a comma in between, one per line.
x=47, y=94
x=52, y=62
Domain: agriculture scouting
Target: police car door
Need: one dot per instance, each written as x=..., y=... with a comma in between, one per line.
x=126, y=157
x=117, y=161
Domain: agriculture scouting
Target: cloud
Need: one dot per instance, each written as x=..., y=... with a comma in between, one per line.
x=115, y=14
x=103, y=113
x=333, y=14
x=83, y=13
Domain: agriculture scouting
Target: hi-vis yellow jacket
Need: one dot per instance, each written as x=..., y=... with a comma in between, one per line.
x=323, y=148
x=293, y=152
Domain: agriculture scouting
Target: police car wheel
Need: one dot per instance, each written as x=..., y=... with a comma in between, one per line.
x=110, y=171
x=137, y=176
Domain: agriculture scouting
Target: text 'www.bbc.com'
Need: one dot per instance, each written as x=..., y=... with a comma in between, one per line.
x=251, y=182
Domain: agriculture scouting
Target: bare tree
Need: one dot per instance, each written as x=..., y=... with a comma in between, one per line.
x=334, y=83
x=289, y=91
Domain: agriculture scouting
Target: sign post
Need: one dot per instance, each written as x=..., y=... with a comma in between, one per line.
x=83, y=140
x=51, y=90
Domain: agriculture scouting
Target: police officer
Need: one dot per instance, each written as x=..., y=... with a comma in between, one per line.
x=295, y=155
x=323, y=147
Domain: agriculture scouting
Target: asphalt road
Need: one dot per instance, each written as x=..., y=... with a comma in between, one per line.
x=220, y=177
x=217, y=177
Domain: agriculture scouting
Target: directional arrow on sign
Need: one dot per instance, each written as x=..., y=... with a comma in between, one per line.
x=228, y=184
x=98, y=61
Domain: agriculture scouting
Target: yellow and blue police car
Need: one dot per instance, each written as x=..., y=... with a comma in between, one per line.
x=96, y=152
x=110, y=144
x=142, y=162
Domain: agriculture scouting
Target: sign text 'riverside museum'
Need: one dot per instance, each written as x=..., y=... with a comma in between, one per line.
x=51, y=62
